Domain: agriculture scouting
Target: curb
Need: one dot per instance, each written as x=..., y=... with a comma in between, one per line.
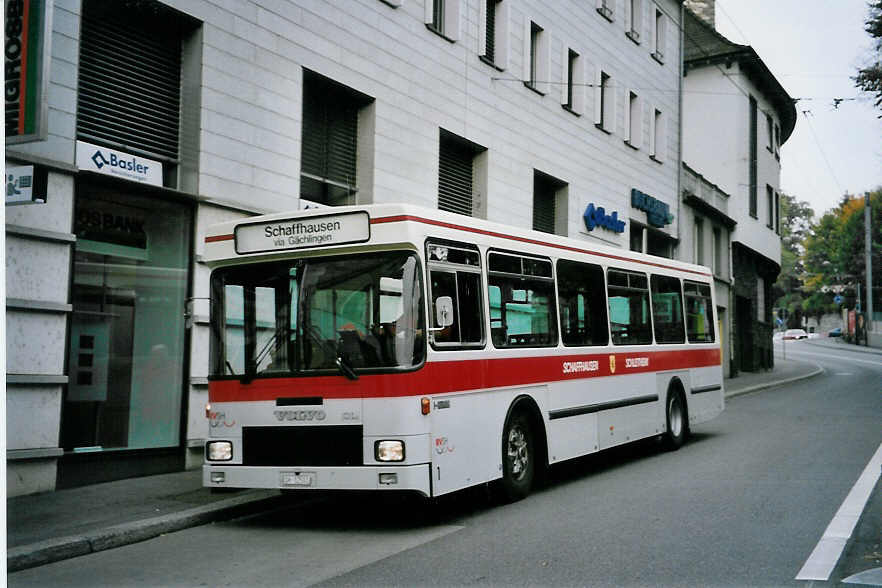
x=817, y=371
x=61, y=548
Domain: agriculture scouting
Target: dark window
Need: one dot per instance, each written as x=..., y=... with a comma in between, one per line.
x=582, y=305
x=718, y=252
x=629, y=314
x=659, y=244
x=699, y=312
x=129, y=93
x=752, y=156
x=777, y=213
x=438, y=15
x=545, y=191
x=535, y=32
x=521, y=297
x=329, y=136
x=572, y=58
x=456, y=173
x=604, y=94
x=490, y=26
x=636, y=238
x=770, y=204
x=667, y=310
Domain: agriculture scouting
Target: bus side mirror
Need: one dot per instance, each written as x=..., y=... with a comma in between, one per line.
x=444, y=311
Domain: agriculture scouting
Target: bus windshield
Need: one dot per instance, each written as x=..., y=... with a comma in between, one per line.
x=343, y=314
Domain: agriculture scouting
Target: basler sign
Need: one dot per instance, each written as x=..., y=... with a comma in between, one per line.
x=123, y=165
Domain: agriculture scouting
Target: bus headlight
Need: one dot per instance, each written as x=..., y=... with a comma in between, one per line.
x=389, y=450
x=219, y=451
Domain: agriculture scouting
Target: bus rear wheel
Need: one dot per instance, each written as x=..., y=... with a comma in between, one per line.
x=676, y=419
x=518, y=457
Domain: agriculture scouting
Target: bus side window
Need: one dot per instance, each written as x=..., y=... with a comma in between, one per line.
x=443, y=283
x=699, y=313
x=667, y=309
x=629, y=315
x=581, y=302
x=464, y=288
x=455, y=274
x=522, y=308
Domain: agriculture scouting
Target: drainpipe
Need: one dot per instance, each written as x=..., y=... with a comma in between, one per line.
x=681, y=28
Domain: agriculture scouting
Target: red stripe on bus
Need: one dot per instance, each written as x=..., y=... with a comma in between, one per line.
x=442, y=377
x=402, y=218
x=215, y=238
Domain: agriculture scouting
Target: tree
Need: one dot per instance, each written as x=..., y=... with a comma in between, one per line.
x=869, y=78
x=796, y=226
x=834, y=258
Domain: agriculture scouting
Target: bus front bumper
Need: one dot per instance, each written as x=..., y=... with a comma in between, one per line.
x=413, y=477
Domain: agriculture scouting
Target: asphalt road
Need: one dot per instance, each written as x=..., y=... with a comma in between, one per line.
x=743, y=503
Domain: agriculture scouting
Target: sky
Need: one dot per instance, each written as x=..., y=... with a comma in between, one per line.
x=813, y=48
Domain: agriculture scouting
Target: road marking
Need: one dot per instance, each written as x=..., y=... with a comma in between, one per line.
x=823, y=559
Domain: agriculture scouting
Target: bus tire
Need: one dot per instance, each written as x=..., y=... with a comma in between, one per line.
x=677, y=420
x=519, y=456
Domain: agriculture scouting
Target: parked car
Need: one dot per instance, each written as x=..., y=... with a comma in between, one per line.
x=837, y=332
x=791, y=334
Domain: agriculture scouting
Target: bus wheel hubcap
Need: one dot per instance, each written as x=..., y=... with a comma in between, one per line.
x=518, y=454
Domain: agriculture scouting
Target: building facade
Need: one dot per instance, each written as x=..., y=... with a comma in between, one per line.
x=736, y=116
x=166, y=116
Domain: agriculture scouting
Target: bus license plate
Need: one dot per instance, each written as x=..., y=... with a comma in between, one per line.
x=298, y=479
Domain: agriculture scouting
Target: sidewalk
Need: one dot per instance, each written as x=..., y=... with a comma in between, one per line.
x=52, y=526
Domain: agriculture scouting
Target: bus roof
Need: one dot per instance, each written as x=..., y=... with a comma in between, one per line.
x=260, y=237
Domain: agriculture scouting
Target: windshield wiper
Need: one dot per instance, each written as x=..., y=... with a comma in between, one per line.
x=345, y=368
x=341, y=363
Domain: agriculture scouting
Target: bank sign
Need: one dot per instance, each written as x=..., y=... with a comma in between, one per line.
x=119, y=164
x=658, y=213
x=300, y=233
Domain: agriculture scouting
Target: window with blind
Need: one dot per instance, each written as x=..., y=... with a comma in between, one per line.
x=129, y=94
x=329, y=135
x=456, y=173
x=546, y=191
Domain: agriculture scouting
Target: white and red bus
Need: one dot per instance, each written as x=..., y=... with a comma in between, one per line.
x=394, y=347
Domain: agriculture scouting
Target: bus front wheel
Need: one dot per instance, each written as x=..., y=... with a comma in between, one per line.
x=518, y=457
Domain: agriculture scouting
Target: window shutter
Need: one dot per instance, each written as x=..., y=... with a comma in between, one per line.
x=130, y=80
x=329, y=134
x=544, y=212
x=490, y=30
x=455, y=177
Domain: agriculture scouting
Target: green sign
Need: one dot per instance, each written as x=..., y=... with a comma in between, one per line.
x=26, y=54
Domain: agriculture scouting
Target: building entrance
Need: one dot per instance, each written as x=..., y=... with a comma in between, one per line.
x=126, y=349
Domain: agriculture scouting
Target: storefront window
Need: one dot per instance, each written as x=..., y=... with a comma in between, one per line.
x=127, y=330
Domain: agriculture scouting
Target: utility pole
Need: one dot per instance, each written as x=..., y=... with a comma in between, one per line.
x=868, y=250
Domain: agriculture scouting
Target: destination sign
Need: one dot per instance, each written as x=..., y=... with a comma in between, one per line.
x=300, y=233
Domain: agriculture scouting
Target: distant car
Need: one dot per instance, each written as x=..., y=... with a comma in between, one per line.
x=777, y=336
x=837, y=332
x=791, y=334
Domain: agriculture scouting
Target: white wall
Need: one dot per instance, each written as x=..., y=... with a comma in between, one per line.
x=252, y=88
x=716, y=135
